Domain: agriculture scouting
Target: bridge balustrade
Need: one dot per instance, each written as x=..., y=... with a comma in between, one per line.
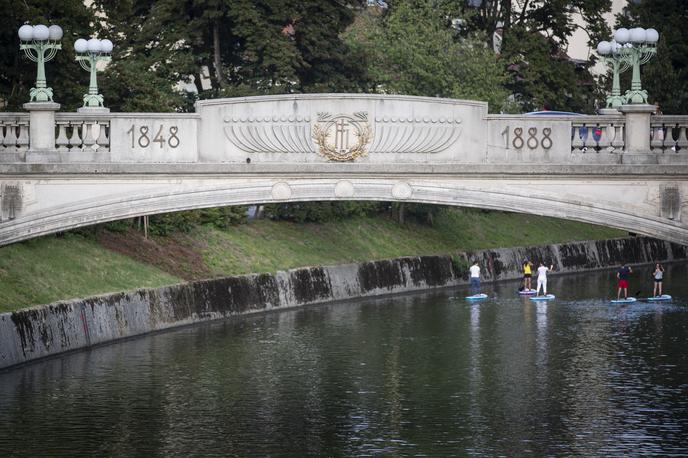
x=14, y=136
x=669, y=134
x=83, y=136
x=396, y=129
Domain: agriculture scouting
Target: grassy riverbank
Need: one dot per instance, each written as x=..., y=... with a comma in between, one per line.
x=53, y=268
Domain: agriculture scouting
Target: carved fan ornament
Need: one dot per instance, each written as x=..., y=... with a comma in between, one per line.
x=343, y=127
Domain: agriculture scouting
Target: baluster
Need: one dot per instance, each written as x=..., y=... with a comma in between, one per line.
x=589, y=140
x=62, y=140
x=89, y=141
x=669, y=142
x=3, y=148
x=10, y=140
x=657, y=141
x=23, y=138
x=103, y=139
x=618, y=142
x=682, y=141
x=605, y=142
x=576, y=142
x=75, y=140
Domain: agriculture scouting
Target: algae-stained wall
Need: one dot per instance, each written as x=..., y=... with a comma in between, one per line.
x=51, y=329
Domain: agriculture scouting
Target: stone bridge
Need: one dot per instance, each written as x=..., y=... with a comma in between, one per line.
x=60, y=171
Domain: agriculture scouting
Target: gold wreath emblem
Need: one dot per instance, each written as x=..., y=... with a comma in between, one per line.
x=363, y=135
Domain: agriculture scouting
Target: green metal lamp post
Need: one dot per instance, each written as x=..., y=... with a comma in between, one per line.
x=638, y=46
x=40, y=44
x=609, y=52
x=88, y=54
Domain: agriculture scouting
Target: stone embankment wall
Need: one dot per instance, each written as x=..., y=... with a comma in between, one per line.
x=51, y=329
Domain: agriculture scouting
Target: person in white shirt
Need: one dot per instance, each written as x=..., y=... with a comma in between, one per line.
x=475, y=278
x=542, y=278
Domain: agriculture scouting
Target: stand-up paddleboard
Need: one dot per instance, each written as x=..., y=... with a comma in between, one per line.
x=527, y=292
x=476, y=297
x=548, y=297
x=663, y=297
x=628, y=300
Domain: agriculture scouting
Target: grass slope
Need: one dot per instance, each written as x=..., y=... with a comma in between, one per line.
x=53, y=268
x=50, y=268
x=267, y=246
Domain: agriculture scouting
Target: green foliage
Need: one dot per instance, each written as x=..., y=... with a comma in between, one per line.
x=542, y=77
x=18, y=74
x=122, y=225
x=411, y=50
x=665, y=77
x=167, y=223
x=320, y=212
x=223, y=217
x=246, y=48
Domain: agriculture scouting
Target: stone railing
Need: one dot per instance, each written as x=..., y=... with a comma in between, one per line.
x=669, y=134
x=82, y=136
x=555, y=138
x=597, y=134
x=14, y=136
x=316, y=128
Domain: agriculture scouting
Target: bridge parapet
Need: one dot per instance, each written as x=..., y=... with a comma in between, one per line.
x=367, y=128
x=669, y=134
x=14, y=136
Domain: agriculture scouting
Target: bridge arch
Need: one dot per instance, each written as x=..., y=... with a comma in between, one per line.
x=124, y=197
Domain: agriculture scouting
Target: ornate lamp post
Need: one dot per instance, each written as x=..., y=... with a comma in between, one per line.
x=637, y=48
x=40, y=44
x=88, y=54
x=610, y=55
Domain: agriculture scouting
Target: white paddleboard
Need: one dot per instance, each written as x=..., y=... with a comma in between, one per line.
x=663, y=297
x=527, y=292
x=624, y=301
x=476, y=297
x=548, y=297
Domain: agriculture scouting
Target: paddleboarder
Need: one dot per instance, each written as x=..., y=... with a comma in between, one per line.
x=527, y=274
x=542, y=277
x=475, y=278
x=622, y=275
x=658, y=276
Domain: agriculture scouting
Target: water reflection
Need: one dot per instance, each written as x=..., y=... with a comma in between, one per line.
x=410, y=375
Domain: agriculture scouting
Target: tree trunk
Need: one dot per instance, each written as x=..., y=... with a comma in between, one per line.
x=217, y=57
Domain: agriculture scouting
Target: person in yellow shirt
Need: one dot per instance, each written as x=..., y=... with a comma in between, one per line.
x=527, y=274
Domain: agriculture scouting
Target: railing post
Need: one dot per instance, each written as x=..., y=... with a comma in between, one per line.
x=637, y=147
x=42, y=132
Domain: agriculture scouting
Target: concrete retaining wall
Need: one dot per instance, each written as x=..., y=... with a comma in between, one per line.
x=51, y=329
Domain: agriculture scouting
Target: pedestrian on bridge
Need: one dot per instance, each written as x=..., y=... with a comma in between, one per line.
x=622, y=275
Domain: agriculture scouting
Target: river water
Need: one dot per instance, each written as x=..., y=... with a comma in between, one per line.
x=420, y=375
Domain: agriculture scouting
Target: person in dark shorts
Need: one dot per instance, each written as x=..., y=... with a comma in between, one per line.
x=527, y=274
x=622, y=275
x=658, y=276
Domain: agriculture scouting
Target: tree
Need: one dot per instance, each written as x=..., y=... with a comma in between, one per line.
x=665, y=77
x=249, y=47
x=411, y=50
x=541, y=76
x=64, y=75
x=533, y=38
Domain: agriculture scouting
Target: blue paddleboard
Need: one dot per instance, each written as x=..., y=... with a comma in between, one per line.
x=548, y=297
x=476, y=297
x=624, y=301
x=663, y=297
x=527, y=292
